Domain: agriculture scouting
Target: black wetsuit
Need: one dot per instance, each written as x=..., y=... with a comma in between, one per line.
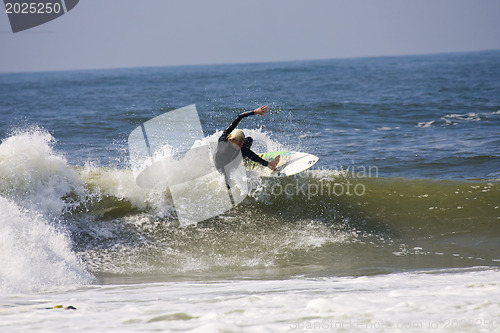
x=226, y=153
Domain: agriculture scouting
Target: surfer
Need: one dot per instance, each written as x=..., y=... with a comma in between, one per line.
x=233, y=141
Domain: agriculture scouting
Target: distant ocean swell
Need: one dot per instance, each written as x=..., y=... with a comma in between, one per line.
x=63, y=224
x=454, y=119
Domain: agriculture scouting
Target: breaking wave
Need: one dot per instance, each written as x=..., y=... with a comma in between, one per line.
x=63, y=224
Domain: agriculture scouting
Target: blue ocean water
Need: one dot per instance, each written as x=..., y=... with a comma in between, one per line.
x=403, y=205
x=434, y=116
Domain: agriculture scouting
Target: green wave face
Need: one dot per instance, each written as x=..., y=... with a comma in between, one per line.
x=321, y=222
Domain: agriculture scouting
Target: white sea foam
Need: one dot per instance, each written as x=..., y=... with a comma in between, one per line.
x=33, y=175
x=121, y=184
x=464, y=300
x=470, y=116
x=34, y=255
x=35, y=252
x=456, y=118
x=425, y=123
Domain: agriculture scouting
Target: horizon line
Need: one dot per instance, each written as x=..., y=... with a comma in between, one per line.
x=231, y=63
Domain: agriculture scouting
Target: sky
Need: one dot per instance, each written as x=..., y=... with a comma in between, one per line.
x=137, y=33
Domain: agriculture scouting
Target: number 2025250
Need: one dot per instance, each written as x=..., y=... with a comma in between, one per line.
x=32, y=8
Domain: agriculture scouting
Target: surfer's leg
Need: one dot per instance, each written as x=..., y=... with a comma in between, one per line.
x=248, y=142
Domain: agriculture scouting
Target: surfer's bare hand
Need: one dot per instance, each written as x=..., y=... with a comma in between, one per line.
x=274, y=163
x=262, y=110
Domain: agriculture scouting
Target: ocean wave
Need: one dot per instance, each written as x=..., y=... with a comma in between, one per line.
x=99, y=216
x=313, y=193
x=297, y=222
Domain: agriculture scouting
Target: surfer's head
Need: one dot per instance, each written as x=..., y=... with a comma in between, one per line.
x=237, y=138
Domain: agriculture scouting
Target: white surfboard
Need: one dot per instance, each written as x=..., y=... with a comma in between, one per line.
x=291, y=163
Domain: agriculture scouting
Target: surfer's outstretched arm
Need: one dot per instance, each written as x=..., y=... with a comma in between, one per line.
x=271, y=164
x=260, y=111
